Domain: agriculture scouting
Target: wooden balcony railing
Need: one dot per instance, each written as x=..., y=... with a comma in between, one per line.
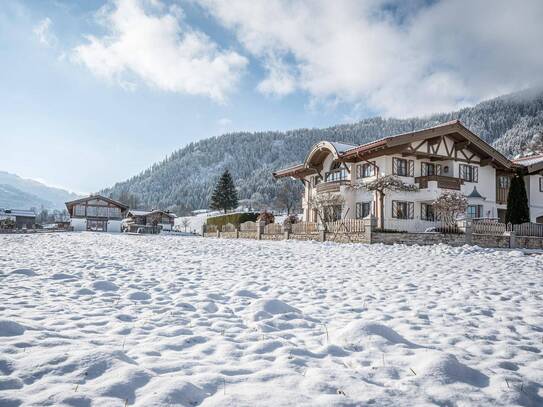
x=331, y=186
x=442, y=182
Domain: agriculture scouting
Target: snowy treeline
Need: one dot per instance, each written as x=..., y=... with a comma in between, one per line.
x=185, y=180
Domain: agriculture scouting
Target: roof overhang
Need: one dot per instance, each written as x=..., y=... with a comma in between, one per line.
x=400, y=144
x=69, y=204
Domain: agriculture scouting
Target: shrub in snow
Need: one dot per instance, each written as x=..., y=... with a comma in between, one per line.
x=234, y=218
x=449, y=206
x=267, y=217
x=290, y=220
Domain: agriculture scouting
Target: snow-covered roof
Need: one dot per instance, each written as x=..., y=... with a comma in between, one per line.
x=137, y=212
x=530, y=160
x=342, y=147
x=17, y=212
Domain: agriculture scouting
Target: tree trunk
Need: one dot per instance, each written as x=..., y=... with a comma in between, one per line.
x=381, y=210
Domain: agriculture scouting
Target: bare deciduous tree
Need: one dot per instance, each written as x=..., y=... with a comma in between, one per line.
x=382, y=185
x=449, y=206
x=324, y=204
x=288, y=195
x=185, y=223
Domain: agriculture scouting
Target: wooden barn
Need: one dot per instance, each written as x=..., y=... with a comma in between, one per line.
x=96, y=213
x=154, y=221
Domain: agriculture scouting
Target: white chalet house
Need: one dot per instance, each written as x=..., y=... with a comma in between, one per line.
x=445, y=157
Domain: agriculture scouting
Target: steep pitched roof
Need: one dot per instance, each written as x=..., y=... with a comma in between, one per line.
x=103, y=198
x=530, y=164
x=356, y=153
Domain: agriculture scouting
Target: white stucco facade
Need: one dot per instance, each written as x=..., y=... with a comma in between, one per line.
x=447, y=157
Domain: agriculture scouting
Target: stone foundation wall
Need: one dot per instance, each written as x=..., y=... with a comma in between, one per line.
x=272, y=236
x=347, y=238
x=305, y=236
x=422, y=239
x=525, y=242
x=502, y=242
x=483, y=240
x=247, y=235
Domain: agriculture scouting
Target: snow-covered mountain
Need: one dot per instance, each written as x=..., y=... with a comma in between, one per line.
x=22, y=193
x=184, y=180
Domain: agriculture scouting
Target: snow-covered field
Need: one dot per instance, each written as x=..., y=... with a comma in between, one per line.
x=115, y=320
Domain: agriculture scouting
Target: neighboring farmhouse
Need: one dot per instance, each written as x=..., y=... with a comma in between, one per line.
x=149, y=221
x=444, y=157
x=96, y=213
x=21, y=219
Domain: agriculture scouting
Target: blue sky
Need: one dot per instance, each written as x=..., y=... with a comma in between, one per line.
x=93, y=92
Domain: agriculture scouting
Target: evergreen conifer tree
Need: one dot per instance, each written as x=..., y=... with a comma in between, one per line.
x=517, y=202
x=224, y=195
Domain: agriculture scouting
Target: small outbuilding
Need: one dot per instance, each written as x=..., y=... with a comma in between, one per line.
x=96, y=213
x=138, y=221
x=20, y=219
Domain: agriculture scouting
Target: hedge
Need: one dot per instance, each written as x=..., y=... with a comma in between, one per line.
x=233, y=218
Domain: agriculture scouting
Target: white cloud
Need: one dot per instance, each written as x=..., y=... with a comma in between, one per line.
x=397, y=58
x=43, y=33
x=150, y=42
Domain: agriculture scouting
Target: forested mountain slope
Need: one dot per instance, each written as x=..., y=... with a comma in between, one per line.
x=184, y=180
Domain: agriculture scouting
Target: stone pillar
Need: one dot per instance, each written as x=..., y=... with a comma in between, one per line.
x=370, y=223
x=322, y=236
x=287, y=230
x=469, y=233
x=260, y=229
x=513, y=240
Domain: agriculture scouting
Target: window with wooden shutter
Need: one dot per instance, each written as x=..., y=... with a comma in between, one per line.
x=403, y=210
x=401, y=167
x=438, y=169
x=411, y=171
x=469, y=173
x=540, y=184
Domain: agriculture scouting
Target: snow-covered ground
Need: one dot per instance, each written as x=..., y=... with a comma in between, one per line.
x=115, y=320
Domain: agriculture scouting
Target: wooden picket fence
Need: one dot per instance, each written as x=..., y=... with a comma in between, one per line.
x=273, y=229
x=211, y=228
x=488, y=227
x=301, y=228
x=248, y=226
x=527, y=229
x=346, y=226
x=229, y=227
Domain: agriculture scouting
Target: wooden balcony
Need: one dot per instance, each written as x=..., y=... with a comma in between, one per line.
x=330, y=186
x=442, y=182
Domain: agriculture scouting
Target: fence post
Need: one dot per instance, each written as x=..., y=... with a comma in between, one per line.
x=260, y=229
x=322, y=236
x=369, y=224
x=204, y=229
x=469, y=232
x=237, y=232
x=218, y=232
x=286, y=230
x=512, y=240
